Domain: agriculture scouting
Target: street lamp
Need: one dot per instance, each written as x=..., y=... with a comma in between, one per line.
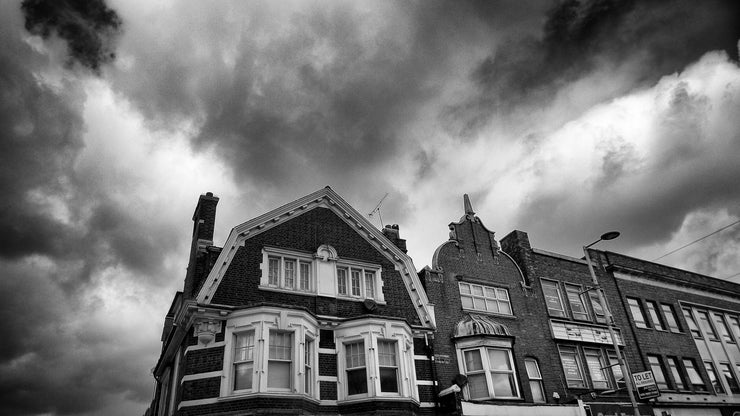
x=611, y=235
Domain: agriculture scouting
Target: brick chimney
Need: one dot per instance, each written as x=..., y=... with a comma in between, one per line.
x=391, y=232
x=204, y=220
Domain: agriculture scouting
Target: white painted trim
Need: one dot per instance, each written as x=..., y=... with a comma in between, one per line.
x=199, y=376
x=328, y=378
x=327, y=350
x=199, y=402
x=325, y=198
x=427, y=404
x=197, y=347
x=421, y=358
x=671, y=286
x=425, y=383
x=328, y=403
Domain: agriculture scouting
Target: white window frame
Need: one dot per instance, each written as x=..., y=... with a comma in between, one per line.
x=483, y=345
x=283, y=257
x=369, y=281
x=562, y=312
x=535, y=379
x=484, y=298
x=299, y=324
x=370, y=332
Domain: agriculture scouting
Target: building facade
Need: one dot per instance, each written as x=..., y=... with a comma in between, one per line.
x=309, y=309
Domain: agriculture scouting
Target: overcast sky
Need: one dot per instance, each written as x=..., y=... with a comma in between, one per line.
x=564, y=120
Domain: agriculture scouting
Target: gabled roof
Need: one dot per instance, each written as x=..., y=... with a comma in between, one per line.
x=325, y=198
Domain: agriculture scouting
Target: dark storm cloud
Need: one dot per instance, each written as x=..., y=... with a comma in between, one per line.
x=89, y=27
x=691, y=167
x=653, y=38
x=63, y=227
x=322, y=99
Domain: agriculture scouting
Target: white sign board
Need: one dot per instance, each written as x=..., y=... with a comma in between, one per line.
x=645, y=385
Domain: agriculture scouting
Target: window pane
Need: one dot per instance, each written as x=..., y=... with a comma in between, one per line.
x=478, y=386
x=502, y=294
x=552, y=298
x=533, y=370
x=278, y=374
x=735, y=325
x=676, y=373
x=706, y=325
x=467, y=302
x=491, y=292
x=616, y=369
x=473, y=360
x=691, y=322
x=464, y=288
x=370, y=285
x=724, y=368
x=356, y=371
x=387, y=353
x=499, y=359
x=503, y=385
x=388, y=380
x=308, y=367
x=289, y=273
x=713, y=378
x=694, y=377
x=477, y=290
x=305, y=276
x=572, y=367
x=722, y=327
x=576, y=302
x=638, y=316
x=652, y=308
x=356, y=279
x=342, y=281
x=670, y=318
x=658, y=373
x=356, y=355
x=595, y=363
x=244, y=346
x=491, y=305
x=280, y=345
x=596, y=305
x=356, y=381
x=538, y=393
x=273, y=273
x=243, y=376
x=504, y=307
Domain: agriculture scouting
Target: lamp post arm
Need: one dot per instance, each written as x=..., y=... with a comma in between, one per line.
x=610, y=325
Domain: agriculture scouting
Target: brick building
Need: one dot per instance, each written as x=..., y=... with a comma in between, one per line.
x=309, y=309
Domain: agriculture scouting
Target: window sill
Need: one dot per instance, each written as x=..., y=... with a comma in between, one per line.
x=365, y=398
x=496, y=314
x=283, y=290
x=251, y=394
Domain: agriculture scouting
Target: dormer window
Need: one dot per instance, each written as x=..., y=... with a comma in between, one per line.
x=321, y=273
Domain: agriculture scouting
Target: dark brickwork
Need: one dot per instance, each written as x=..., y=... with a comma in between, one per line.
x=205, y=360
x=326, y=339
x=423, y=369
x=420, y=346
x=327, y=364
x=256, y=406
x=328, y=390
x=201, y=389
x=306, y=233
x=427, y=393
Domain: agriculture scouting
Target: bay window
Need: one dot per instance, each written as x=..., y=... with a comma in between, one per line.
x=375, y=359
x=490, y=373
x=270, y=350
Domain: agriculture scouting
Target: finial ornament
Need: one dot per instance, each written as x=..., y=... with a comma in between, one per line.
x=468, y=205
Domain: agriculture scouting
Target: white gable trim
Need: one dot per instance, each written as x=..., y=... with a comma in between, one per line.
x=325, y=198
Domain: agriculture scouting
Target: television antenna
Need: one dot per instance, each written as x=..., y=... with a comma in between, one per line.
x=377, y=209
